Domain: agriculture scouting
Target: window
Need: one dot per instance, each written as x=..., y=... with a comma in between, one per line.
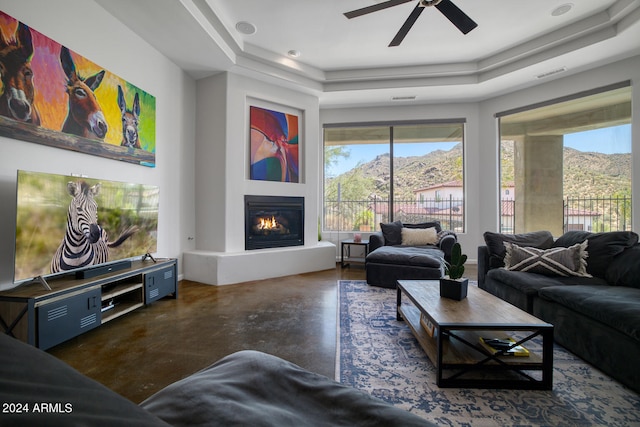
x=566, y=165
x=412, y=172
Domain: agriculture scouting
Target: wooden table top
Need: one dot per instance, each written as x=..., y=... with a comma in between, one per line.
x=479, y=308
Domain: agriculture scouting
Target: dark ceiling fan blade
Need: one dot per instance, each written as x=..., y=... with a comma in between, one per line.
x=407, y=26
x=456, y=16
x=375, y=8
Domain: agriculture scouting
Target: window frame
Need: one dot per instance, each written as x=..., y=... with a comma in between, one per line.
x=507, y=204
x=392, y=125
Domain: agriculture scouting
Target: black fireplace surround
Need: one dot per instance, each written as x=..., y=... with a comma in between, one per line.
x=273, y=221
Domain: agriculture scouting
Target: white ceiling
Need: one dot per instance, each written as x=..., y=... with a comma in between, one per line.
x=347, y=62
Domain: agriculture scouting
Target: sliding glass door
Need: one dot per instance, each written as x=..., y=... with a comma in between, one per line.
x=407, y=171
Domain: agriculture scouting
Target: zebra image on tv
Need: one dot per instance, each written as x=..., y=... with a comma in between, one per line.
x=85, y=242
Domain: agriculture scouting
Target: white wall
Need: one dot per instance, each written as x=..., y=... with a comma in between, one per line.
x=223, y=145
x=86, y=28
x=211, y=163
x=223, y=179
x=482, y=138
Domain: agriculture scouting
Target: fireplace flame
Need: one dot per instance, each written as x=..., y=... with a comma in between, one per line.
x=268, y=223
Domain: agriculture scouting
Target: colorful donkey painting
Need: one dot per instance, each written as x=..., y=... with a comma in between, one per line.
x=17, y=99
x=130, y=120
x=54, y=96
x=274, y=146
x=84, y=116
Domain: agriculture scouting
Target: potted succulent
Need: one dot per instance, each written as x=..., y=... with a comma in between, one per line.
x=453, y=285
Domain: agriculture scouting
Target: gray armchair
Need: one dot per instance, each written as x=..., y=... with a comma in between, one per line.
x=446, y=238
x=389, y=260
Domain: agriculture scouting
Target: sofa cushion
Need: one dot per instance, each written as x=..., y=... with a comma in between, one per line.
x=497, y=250
x=434, y=224
x=624, y=270
x=392, y=233
x=615, y=306
x=550, y=262
x=31, y=376
x=419, y=236
x=407, y=255
x=250, y=388
x=531, y=283
x=602, y=247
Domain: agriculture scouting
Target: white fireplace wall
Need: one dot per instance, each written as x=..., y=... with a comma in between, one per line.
x=222, y=176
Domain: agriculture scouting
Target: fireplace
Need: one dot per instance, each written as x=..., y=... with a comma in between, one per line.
x=273, y=221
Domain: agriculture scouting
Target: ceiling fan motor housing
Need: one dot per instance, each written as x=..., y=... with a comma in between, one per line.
x=425, y=3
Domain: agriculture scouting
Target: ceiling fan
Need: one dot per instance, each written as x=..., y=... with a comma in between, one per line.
x=446, y=7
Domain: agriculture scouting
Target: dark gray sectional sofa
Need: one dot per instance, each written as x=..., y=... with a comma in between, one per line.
x=390, y=259
x=598, y=317
x=247, y=388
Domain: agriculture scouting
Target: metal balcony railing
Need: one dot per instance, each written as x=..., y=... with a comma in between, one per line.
x=366, y=215
x=594, y=214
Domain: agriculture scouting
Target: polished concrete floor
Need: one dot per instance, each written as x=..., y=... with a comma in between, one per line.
x=292, y=317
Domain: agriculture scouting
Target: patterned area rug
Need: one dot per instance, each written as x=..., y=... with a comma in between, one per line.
x=379, y=354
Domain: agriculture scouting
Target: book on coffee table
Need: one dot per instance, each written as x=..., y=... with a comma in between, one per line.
x=503, y=345
x=427, y=325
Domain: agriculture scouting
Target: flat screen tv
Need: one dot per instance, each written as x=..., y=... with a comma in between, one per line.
x=69, y=223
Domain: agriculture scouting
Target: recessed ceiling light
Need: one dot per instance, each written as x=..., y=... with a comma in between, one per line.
x=294, y=53
x=562, y=9
x=245, y=27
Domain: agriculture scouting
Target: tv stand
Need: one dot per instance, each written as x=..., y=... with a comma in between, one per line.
x=72, y=306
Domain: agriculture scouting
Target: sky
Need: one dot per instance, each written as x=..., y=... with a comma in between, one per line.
x=610, y=140
x=367, y=152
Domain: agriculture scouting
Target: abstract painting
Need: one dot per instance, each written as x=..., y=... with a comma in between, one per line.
x=274, y=146
x=53, y=96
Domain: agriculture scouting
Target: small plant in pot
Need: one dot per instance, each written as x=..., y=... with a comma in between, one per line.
x=453, y=285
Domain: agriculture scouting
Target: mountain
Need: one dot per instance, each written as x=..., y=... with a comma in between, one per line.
x=587, y=174
x=596, y=174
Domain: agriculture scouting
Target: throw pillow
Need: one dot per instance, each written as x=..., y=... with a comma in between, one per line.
x=419, y=236
x=624, y=270
x=603, y=247
x=442, y=234
x=497, y=251
x=434, y=224
x=392, y=233
x=570, y=261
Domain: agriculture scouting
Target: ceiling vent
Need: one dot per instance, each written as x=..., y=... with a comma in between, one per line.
x=403, y=98
x=551, y=73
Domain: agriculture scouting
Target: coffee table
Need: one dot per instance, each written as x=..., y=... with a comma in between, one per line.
x=450, y=333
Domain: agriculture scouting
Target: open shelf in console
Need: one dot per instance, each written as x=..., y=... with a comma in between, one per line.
x=121, y=297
